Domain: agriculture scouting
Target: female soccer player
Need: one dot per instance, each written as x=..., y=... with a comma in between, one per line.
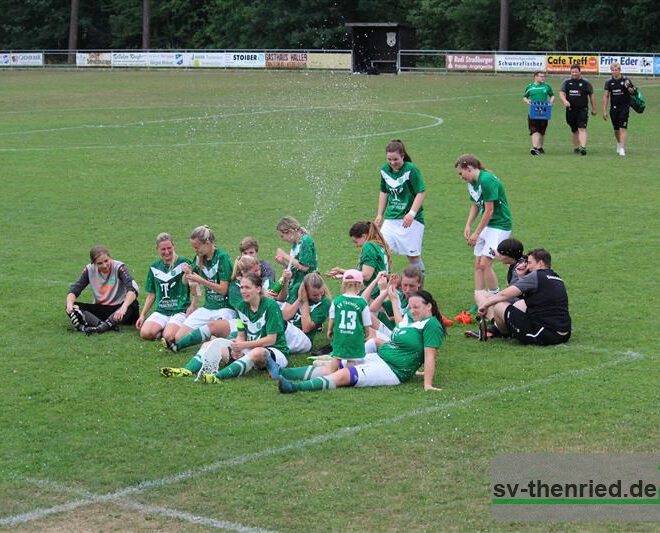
x=212, y=270
x=375, y=255
x=412, y=344
x=165, y=287
x=300, y=260
x=115, y=294
x=400, y=213
x=488, y=198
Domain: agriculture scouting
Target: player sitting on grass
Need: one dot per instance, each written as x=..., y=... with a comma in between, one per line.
x=412, y=344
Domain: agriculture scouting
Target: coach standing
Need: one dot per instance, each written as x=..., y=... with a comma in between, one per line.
x=617, y=91
x=575, y=93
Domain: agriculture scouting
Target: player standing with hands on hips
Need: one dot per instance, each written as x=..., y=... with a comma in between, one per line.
x=576, y=93
x=617, y=91
x=400, y=213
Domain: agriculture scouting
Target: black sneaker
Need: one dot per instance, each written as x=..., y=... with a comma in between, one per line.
x=472, y=334
x=541, y=150
x=534, y=151
x=576, y=150
x=323, y=350
x=77, y=318
x=583, y=151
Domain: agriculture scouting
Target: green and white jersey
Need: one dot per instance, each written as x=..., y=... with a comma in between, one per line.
x=216, y=269
x=318, y=312
x=488, y=188
x=166, y=282
x=385, y=315
x=404, y=354
x=234, y=291
x=401, y=188
x=538, y=93
x=373, y=255
x=351, y=316
x=304, y=251
x=266, y=320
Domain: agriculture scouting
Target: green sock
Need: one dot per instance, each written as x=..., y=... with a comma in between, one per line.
x=195, y=363
x=197, y=336
x=302, y=372
x=318, y=383
x=237, y=368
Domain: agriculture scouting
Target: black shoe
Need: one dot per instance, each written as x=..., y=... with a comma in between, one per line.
x=576, y=150
x=541, y=150
x=323, y=350
x=77, y=318
x=472, y=334
x=583, y=151
x=534, y=151
x=106, y=325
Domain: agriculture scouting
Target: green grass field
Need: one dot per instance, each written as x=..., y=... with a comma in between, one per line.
x=94, y=439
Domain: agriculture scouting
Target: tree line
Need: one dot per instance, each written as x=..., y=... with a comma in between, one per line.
x=559, y=25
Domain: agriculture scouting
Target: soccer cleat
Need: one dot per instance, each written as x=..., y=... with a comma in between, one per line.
x=463, y=318
x=209, y=379
x=169, y=345
x=483, y=329
x=541, y=150
x=472, y=334
x=576, y=150
x=272, y=367
x=446, y=322
x=77, y=318
x=285, y=386
x=583, y=151
x=622, y=152
x=169, y=372
x=106, y=325
x=534, y=151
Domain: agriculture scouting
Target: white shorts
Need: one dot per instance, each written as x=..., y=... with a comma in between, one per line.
x=165, y=320
x=403, y=241
x=488, y=240
x=383, y=332
x=202, y=316
x=375, y=372
x=296, y=339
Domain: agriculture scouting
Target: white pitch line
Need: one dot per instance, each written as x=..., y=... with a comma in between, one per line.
x=37, y=514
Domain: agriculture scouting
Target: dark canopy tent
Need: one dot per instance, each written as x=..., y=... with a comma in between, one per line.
x=376, y=45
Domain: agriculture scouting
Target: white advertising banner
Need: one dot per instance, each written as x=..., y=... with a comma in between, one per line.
x=208, y=59
x=130, y=59
x=246, y=59
x=22, y=59
x=629, y=64
x=169, y=59
x=519, y=62
x=94, y=59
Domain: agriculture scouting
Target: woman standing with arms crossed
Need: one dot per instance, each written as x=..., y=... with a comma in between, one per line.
x=400, y=213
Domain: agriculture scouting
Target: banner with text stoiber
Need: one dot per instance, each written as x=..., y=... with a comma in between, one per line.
x=563, y=63
x=245, y=59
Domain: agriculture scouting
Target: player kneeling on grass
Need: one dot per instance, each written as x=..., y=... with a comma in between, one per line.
x=165, y=287
x=115, y=295
x=260, y=335
x=412, y=344
x=541, y=315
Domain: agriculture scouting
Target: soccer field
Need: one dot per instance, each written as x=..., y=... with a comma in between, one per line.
x=94, y=439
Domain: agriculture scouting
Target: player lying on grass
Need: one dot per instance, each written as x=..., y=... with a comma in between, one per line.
x=395, y=362
x=166, y=288
x=114, y=291
x=260, y=335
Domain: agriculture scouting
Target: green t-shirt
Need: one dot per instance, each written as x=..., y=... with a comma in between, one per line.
x=401, y=188
x=488, y=188
x=267, y=319
x=166, y=282
x=351, y=317
x=318, y=312
x=538, y=93
x=216, y=269
x=373, y=255
x=305, y=252
x=404, y=354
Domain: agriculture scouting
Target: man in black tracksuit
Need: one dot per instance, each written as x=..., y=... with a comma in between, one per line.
x=541, y=317
x=618, y=90
x=575, y=94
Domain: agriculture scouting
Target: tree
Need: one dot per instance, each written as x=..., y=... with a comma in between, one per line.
x=146, y=24
x=504, y=25
x=73, y=29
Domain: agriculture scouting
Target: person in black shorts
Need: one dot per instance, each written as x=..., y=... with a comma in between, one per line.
x=541, y=317
x=618, y=90
x=576, y=93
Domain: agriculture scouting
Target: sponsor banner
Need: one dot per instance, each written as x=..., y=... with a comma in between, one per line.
x=246, y=59
x=562, y=63
x=629, y=64
x=22, y=59
x=656, y=65
x=169, y=59
x=477, y=62
x=130, y=59
x=94, y=59
x=330, y=61
x=208, y=59
x=519, y=63
x=286, y=60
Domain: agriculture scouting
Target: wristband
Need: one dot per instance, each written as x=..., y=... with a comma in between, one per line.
x=412, y=213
